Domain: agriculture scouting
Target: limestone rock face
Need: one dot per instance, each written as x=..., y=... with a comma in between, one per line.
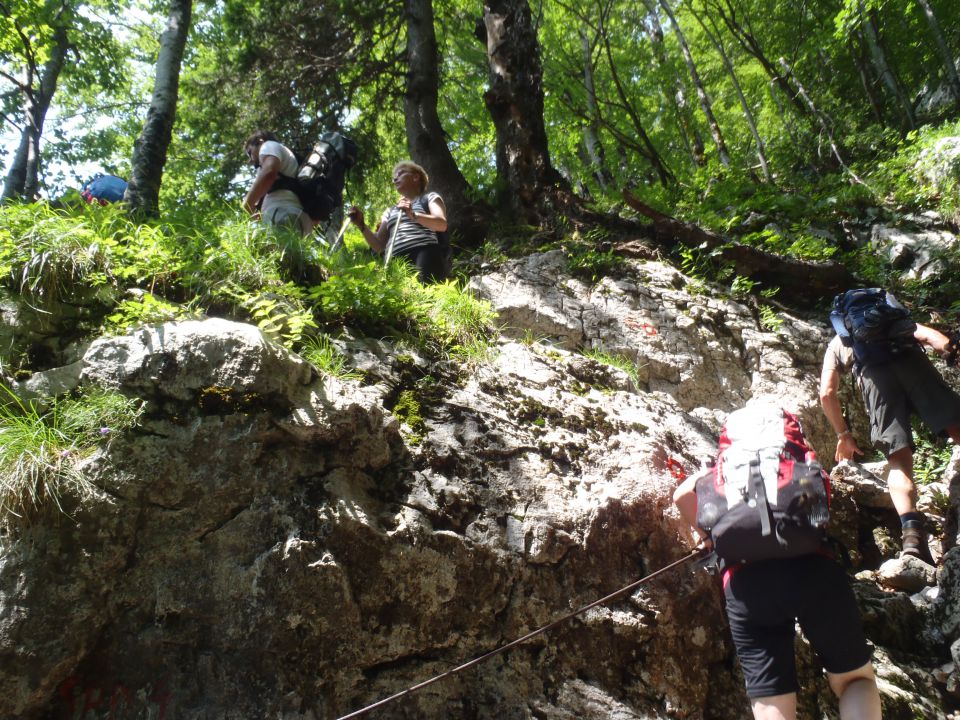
x=940, y=165
x=709, y=355
x=271, y=543
x=916, y=251
x=44, y=323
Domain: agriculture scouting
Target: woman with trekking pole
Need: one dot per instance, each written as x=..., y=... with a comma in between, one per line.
x=410, y=229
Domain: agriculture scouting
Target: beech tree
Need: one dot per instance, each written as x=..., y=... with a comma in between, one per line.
x=678, y=98
x=36, y=90
x=706, y=104
x=717, y=42
x=645, y=147
x=595, y=153
x=47, y=43
x=949, y=63
x=150, y=152
x=883, y=68
x=739, y=24
x=597, y=89
x=584, y=78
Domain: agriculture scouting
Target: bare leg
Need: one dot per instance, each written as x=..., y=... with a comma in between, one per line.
x=900, y=481
x=857, y=690
x=775, y=707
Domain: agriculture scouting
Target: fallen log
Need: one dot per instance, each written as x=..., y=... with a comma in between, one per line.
x=801, y=282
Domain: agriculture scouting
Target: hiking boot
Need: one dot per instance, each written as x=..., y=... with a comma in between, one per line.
x=915, y=544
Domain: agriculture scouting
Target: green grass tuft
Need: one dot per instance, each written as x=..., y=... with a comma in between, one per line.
x=40, y=448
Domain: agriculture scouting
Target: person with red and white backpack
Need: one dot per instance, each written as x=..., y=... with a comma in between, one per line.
x=763, y=507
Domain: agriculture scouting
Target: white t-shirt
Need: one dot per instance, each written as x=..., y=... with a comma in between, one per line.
x=288, y=167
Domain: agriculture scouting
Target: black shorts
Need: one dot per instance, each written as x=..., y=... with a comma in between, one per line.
x=893, y=391
x=429, y=260
x=765, y=599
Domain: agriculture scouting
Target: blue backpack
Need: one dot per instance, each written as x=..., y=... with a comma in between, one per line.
x=103, y=189
x=874, y=323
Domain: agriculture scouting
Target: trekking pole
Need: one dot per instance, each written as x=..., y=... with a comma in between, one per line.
x=698, y=552
x=338, y=243
x=388, y=251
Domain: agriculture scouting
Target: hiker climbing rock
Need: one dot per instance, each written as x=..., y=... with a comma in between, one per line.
x=884, y=350
x=276, y=206
x=415, y=228
x=762, y=506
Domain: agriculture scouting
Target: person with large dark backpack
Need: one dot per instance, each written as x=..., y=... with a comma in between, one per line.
x=763, y=507
x=883, y=348
x=414, y=229
x=766, y=496
x=275, y=204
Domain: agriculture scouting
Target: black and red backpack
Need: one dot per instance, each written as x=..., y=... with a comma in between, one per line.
x=766, y=496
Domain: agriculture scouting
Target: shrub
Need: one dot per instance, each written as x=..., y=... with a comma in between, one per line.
x=320, y=351
x=617, y=361
x=58, y=254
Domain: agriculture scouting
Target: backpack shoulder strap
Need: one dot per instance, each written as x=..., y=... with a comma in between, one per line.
x=758, y=490
x=423, y=202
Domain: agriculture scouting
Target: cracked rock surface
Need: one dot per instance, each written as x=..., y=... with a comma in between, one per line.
x=272, y=543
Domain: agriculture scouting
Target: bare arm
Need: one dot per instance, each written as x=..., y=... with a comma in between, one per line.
x=685, y=498
x=830, y=402
x=269, y=169
x=933, y=339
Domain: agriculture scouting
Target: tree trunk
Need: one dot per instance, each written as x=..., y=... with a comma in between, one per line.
x=425, y=136
x=23, y=178
x=591, y=130
x=744, y=105
x=515, y=103
x=705, y=103
x=678, y=100
x=801, y=280
x=150, y=151
x=948, y=62
x=883, y=69
x=862, y=70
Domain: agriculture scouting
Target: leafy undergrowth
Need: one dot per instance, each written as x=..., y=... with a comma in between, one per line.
x=125, y=274
x=810, y=217
x=88, y=271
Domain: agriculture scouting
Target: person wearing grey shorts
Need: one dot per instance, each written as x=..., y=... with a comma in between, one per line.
x=892, y=392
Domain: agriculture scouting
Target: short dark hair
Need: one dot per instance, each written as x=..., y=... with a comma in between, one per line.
x=260, y=136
